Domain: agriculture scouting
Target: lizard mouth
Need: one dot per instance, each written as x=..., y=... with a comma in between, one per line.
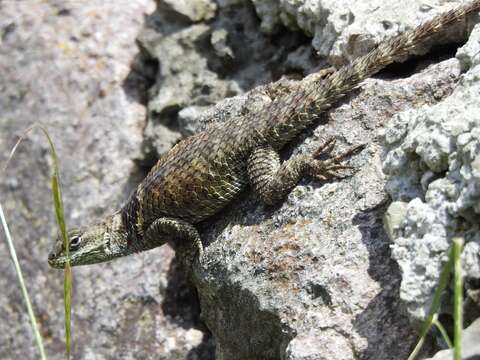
x=56, y=258
x=55, y=261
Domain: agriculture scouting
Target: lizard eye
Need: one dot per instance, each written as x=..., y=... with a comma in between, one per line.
x=75, y=243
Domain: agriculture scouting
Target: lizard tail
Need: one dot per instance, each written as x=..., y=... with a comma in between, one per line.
x=299, y=109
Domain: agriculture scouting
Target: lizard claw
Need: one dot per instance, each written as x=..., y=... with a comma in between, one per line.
x=326, y=148
x=327, y=169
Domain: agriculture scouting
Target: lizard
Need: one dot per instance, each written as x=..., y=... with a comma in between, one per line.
x=203, y=173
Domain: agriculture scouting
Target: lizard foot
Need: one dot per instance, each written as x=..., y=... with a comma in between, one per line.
x=331, y=166
x=187, y=255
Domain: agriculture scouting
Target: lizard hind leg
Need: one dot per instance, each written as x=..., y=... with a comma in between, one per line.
x=273, y=180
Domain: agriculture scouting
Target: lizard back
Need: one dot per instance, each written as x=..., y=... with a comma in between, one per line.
x=204, y=172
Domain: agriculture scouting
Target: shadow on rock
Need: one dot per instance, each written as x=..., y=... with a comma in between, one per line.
x=182, y=306
x=384, y=314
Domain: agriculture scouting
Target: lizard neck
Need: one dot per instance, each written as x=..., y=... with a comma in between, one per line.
x=117, y=245
x=134, y=227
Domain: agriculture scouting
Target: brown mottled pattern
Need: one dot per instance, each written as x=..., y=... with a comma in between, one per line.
x=195, y=179
x=203, y=173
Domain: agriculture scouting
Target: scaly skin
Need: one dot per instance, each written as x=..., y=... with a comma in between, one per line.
x=204, y=172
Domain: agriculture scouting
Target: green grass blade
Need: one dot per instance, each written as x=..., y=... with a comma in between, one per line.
x=67, y=275
x=443, y=332
x=21, y=281
x=437, y=297
x=457, y=298
x=67, y=290
x=60, y=217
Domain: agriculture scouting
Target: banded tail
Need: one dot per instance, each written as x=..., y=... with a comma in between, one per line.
x=297, y=110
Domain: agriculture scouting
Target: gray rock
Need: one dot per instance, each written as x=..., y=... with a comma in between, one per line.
x=67, y=66
x=343, y=30
x=320, y=344
x=194, y=10
x=203, y=63
x=468, y=53
x=432, y=165
x=311, y=278
x=394, y=217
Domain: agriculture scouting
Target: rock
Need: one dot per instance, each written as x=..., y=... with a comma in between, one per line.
x=343, y=30
x=194, y=10
x=67, y=65
x=393, y=218
x=319, y=345
x=202, y=63
x=431, y=163
x=312, y=278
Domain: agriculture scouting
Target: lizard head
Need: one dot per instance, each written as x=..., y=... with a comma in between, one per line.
x=96, y=243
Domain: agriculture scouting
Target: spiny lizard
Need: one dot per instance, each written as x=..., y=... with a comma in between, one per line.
x=205, y=172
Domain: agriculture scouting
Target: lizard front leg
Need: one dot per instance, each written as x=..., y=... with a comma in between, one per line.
x=273, y=180
x=180, y=234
